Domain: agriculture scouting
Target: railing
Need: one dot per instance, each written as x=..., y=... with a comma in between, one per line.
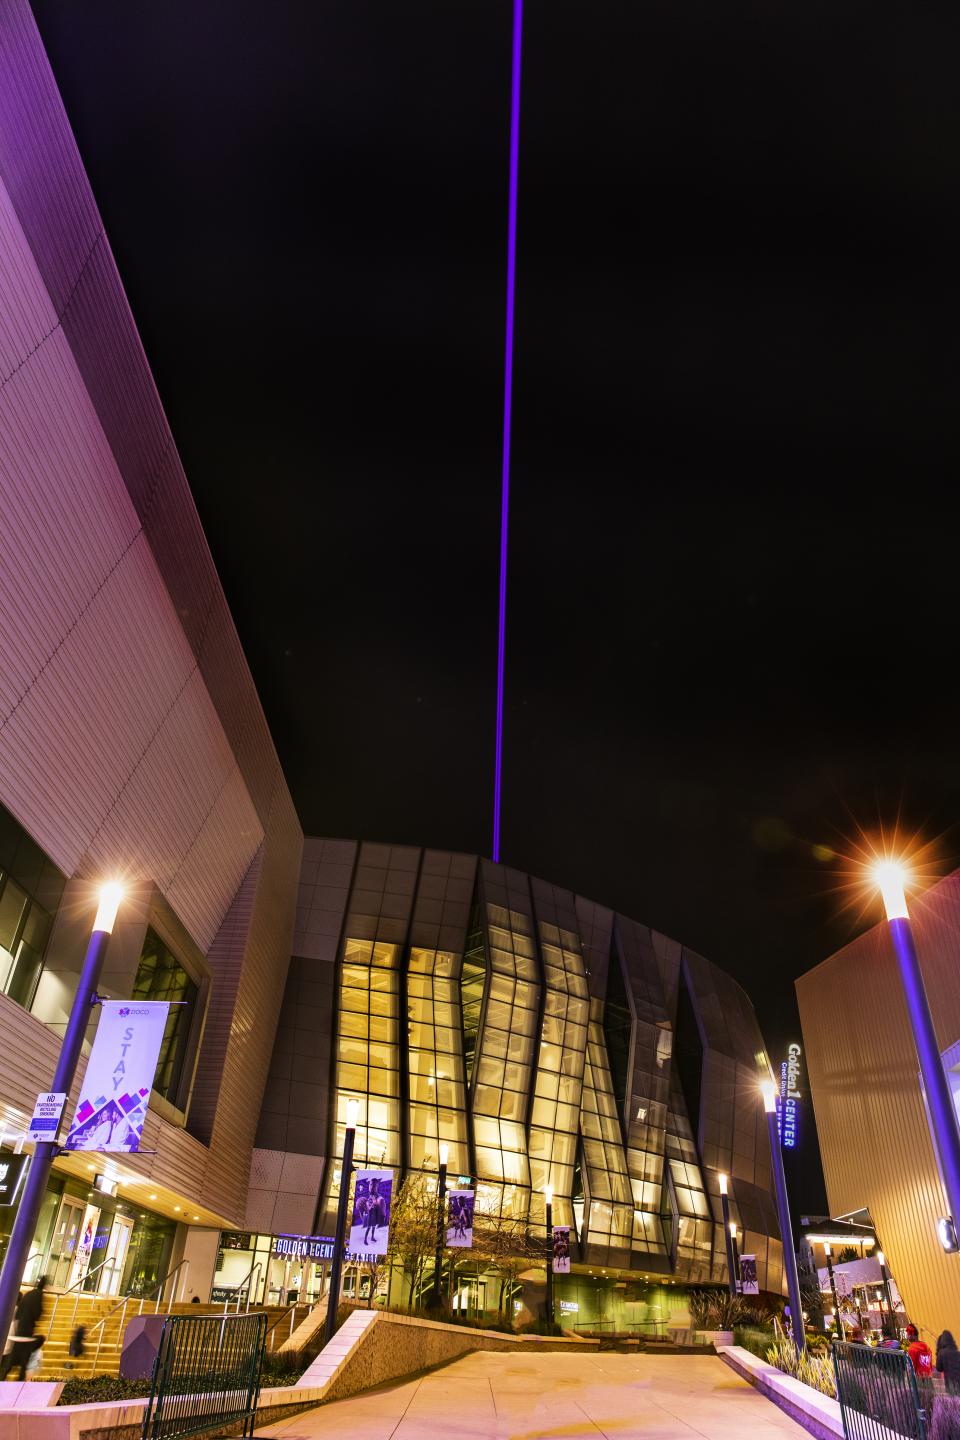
x=246, y=1285
x=653, y=1329
x=160, y=1286
x=273, y=1329
x=877, y=1390
x=206, y=1375
x=81, y=1293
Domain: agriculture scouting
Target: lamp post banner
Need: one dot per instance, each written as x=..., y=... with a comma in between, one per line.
x=113, y=1099
x=749, y=1284
x=460, y=1219
x=370, y=1222
x=561, y=1249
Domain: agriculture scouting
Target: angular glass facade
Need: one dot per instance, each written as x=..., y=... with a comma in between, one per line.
x=546, y=1041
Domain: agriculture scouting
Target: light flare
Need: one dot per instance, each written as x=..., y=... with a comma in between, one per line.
x=891, y=878
x=109, y=898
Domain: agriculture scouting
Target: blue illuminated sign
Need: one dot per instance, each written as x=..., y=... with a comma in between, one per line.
x=788, y=1109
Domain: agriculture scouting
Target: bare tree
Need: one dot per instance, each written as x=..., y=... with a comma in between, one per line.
x=413, y=1229
x=503, y=1243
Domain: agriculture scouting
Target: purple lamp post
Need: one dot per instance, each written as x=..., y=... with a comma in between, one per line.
x=46, y=1151
x=769, y=1092
x=340, y=1237
x=441, y=1228
x=889, y=875
x=729, y=1234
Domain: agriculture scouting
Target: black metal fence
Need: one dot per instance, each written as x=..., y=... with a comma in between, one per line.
x=878, y=1393
x=206, y=1375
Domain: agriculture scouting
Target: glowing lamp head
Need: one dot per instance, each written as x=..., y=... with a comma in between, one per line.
x=444, y=1154
x=881, y=1261
x=109, y=897
x=890, y=877
x=353, y=1109
x=733, y=1228
x=548, y=1194
x=723, y=1183
x=769, y=1092
x=826, y=1248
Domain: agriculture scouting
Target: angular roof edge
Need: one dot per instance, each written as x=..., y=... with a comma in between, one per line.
x=41, y=167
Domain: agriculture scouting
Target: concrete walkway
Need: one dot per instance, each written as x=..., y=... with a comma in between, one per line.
x=486, y=1396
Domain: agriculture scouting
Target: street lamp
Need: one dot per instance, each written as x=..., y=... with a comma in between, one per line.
x=441, y=1195
x=769, y=1092
x=734, y=1256
x=28, y=1213
x=725, y=1208
x=890, y=876
x=548, y=1197
x=336, y=1265
x=833, y=1290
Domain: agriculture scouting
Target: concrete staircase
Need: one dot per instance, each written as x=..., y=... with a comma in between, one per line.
x=91, y=1309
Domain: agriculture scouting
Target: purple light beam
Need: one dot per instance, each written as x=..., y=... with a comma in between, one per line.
x=507, y=409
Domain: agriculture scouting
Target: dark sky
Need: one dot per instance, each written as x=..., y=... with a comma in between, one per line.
x=731, y=630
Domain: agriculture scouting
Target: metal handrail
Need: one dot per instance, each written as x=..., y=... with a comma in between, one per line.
x=159, y=1285
x=246, y=1281
x=78, y=1286
x=297, y=1305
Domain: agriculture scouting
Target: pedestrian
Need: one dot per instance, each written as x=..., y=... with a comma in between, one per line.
x=948, y=1362
x=921, y=1356
x=77, y=1347
x=23, y=1339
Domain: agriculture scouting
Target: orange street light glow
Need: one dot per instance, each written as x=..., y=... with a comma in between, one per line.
x=890, y=877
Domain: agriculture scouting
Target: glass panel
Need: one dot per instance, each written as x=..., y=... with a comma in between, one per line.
x=160, y=976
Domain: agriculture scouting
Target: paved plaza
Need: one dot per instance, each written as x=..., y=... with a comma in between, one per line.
x=486, y=1396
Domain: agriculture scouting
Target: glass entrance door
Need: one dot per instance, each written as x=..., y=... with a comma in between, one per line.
x=85, y=1243
x=63, y=1246
x=116, y=1255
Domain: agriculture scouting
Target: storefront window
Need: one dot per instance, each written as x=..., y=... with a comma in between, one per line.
x=246, y=1260
x=160, y=976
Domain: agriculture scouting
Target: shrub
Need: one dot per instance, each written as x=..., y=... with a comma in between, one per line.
x=714, y=1309
x=755, y=1339
x=102, y=1389
x=698, y=1303
x=814, y=1370
x=945, y=1424
x=475, y=1322
x=540, y=1327
x=283, y=1369
x=725, y=1311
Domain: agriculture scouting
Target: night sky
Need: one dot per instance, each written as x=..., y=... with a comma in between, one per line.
x=731, y=628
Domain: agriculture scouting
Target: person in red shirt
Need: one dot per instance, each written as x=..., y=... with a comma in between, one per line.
x=921, y=1356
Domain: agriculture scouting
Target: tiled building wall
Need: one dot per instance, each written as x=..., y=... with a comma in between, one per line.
x=131, y=736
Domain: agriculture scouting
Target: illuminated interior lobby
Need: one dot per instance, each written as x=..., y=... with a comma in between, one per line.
x=544, y=1040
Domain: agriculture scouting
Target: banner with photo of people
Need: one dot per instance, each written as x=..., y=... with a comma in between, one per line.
x=561, y=1249
x=749, y=1284
x=112, y=1106
x=460, y=1219
x=370, y=1221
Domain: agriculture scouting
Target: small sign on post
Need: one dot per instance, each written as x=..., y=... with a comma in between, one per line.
x=47, y=1116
